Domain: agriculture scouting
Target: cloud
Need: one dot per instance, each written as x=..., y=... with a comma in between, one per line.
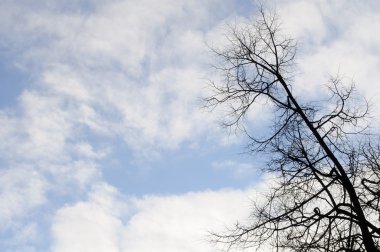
x=330, y=45
x=93, y=225
x=151, y=223
x=21, y=188
x=313, y=29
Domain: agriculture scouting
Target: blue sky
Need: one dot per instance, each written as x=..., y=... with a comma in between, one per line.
x=104, y=145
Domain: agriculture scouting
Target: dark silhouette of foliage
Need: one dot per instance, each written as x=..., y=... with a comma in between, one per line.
x=327, y=192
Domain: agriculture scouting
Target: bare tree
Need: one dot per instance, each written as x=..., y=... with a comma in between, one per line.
x=327, y=193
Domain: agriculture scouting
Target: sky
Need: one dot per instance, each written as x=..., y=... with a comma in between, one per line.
x=104, y=144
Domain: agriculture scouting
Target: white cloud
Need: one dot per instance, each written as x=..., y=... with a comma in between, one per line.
x=329, y=45
x=152, y=223
x=89, y=226
x=39, y=162
x=313, y=26
x=21, y=189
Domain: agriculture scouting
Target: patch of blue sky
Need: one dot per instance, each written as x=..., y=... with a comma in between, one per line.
x=12, y=82
x=180, y=171
x=30, y=233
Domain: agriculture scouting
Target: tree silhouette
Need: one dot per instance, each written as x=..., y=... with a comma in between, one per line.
x=327, y=192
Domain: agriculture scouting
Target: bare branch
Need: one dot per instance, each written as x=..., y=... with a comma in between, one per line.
x=327, y=194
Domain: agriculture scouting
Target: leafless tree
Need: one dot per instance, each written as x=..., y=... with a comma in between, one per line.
x=327, y=163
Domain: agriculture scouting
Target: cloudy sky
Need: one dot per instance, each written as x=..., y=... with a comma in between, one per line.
x=104, y=146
